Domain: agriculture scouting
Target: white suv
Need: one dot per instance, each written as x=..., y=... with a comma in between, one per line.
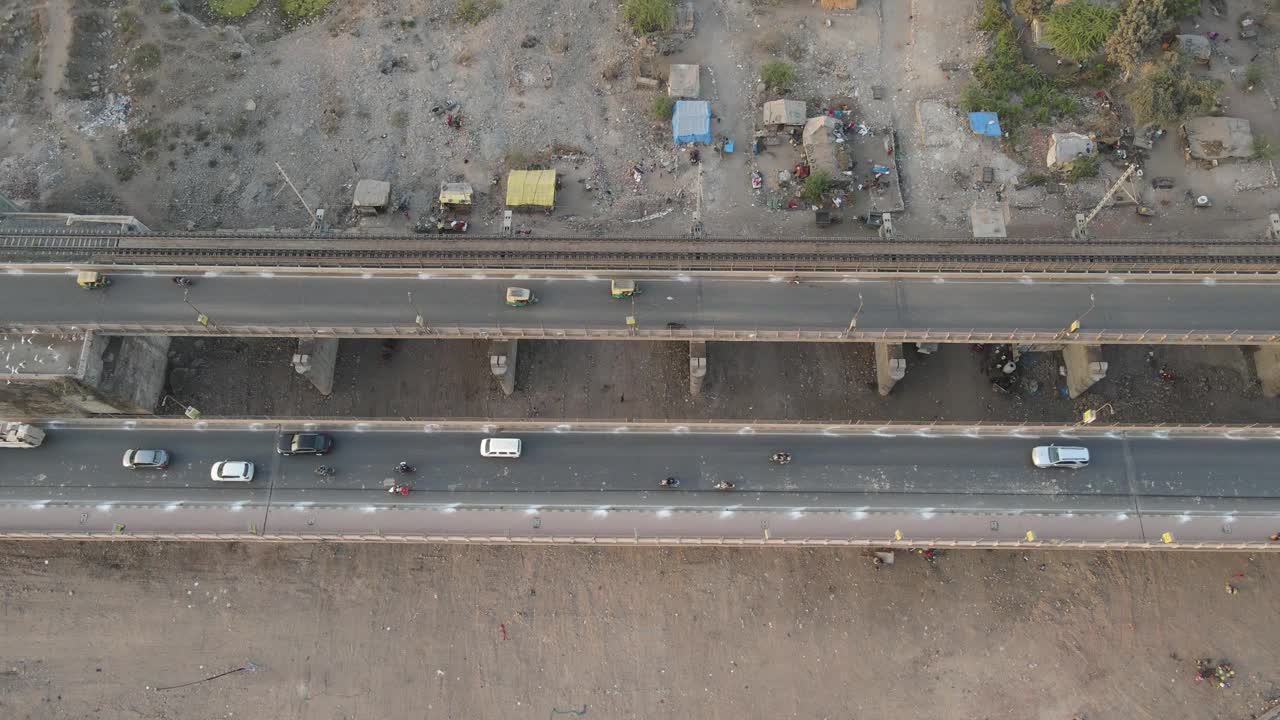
x=1047, y=456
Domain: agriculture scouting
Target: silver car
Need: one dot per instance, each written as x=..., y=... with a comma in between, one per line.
x=231, y=471
x=146, y=459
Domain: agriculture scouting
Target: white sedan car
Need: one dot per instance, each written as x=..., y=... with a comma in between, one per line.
x=232, y=471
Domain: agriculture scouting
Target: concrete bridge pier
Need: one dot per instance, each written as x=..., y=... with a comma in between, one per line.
x=697, y=366
x=1085, y=367
x=317, y=359
x=891, y=366
x=502, y=363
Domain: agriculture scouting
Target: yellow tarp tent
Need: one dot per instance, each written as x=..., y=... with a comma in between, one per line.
x=531, y=188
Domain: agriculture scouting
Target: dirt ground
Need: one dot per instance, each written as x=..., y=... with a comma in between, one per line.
x=159, y=109
x=643, y=380
x=352, y=632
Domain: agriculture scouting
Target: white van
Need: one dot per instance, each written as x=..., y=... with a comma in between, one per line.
x=500, y=447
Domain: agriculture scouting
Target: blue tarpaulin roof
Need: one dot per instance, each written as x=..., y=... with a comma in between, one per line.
x=691, y=122
x=985, y=123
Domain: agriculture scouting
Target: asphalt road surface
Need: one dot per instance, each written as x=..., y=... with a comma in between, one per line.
x=996, y=305
x=607, y=483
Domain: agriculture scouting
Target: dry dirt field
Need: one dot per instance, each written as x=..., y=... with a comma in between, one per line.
x=160, y=109
x=349, y=632
x=748, y=381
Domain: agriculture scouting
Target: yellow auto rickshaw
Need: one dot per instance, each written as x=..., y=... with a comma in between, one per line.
x=90, y=280
x=622, y=288
x=519, y=297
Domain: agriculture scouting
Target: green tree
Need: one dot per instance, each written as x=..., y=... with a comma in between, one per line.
x=1139, y=26
x=1168, y=94
x=1078, y=30
x=814, y=185
x=777, y=75
x=647, y=16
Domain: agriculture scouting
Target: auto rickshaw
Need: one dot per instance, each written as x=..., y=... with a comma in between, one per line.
x=90, y=280
x=519, y=297
x=623, y=288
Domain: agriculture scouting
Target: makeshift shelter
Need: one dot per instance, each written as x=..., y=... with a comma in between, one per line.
x=985, y=123
x=456, y=195
x=683, y=82
x=371, y=196
x=1218, y=138
x=779, y=114
x=1064, y=148
x=1196, y=47
x=691, y=122
x=531, y=189
x=821, y=150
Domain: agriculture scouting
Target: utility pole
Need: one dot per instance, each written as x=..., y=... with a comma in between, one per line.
x=853, y=321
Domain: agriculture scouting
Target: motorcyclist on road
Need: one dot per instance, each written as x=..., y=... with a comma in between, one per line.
x=669, y=482
x=781, y=458
x=724, y=485
x=182, y=281
x=404, y=468
x=400, y=490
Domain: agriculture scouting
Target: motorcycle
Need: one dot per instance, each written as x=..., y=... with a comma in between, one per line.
x=325, y=471
x=399, y=489
x=780, y=458
x=405, y=468
x=724, y=485
x=669, y=482
x=182, y=281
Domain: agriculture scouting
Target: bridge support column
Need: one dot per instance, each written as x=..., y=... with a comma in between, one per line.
x=316, y=359
x=1085, y=367
x=891, y=366
x=697, y=366
x=502, y=363
x=1266, y=363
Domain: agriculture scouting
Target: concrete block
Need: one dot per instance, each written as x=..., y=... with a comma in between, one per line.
x=1085, y=367
x=891, y=366
x=1266, y=362
x=697, y=366
x=502, y=363
x=316, y=359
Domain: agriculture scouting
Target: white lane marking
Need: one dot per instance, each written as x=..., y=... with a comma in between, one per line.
x=1026, y=280
x=1115, y=280
x=18, y=271
x=424, y=276
x=103, y=507
x=726, y=513
x=1210, y=281
x=266, y=274
x=601, y=512
x=531, y=510
x=664, y=513
x=369, y=509
x=680, y=430
x=858, y=514
x=747, y=431
x=361, y=427
x=201, y=426
x=562, y=428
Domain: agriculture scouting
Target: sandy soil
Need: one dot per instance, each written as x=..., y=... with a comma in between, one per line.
x=796, y=381
x=180, y=118
x=352, y=632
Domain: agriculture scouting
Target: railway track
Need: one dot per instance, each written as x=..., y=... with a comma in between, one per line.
x=833, y=255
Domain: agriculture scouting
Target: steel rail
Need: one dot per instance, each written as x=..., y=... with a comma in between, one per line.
x=752, y=254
